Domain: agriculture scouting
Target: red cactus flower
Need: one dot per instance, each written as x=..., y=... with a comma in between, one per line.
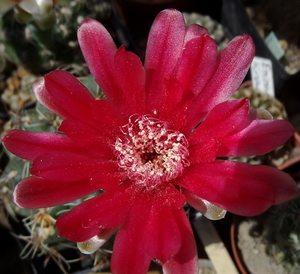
x=154, y=145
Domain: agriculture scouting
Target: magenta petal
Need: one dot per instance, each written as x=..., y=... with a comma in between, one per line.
x=238, y=187
x=150, y=232
x=174, y=199
x=131, y=79
x=67, y=167
x=222, y=120
x=173, y=102
x=165, y=44
x=259, y=137
x=46, y=99
x=77, y=130
x=205, y=151
x=63, y=94
x=89, y=141
x=234, y=63
x=99, y=51
x=107, y=210
x=131, y=242
x=186, y=260
x=195, y=67
x=69, y=94
x=33, y=192
x=29, y=145
x=109, y=119
x=193, y=31
x=198, y=63
x=195, y=201
x=163, y=234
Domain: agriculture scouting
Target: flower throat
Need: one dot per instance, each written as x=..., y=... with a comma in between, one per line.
x=150, y=152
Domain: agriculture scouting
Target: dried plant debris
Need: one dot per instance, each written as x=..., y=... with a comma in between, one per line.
x=17, y=92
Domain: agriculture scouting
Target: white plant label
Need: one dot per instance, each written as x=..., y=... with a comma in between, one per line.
x=262, y=75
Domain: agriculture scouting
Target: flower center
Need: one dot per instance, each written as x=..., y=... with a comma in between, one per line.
x=150, y=152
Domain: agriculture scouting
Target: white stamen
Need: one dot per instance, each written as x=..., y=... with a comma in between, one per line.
x=150, y=152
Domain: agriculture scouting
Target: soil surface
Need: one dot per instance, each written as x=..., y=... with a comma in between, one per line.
x=254, y=254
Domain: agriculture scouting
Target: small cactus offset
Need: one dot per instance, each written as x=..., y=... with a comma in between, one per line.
x=41, y=49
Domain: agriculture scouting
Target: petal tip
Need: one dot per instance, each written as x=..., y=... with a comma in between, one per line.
x=15, y=197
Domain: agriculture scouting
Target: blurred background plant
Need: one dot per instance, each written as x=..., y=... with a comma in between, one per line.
x=25, y=11
x=281, y=229
x=41, y=35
